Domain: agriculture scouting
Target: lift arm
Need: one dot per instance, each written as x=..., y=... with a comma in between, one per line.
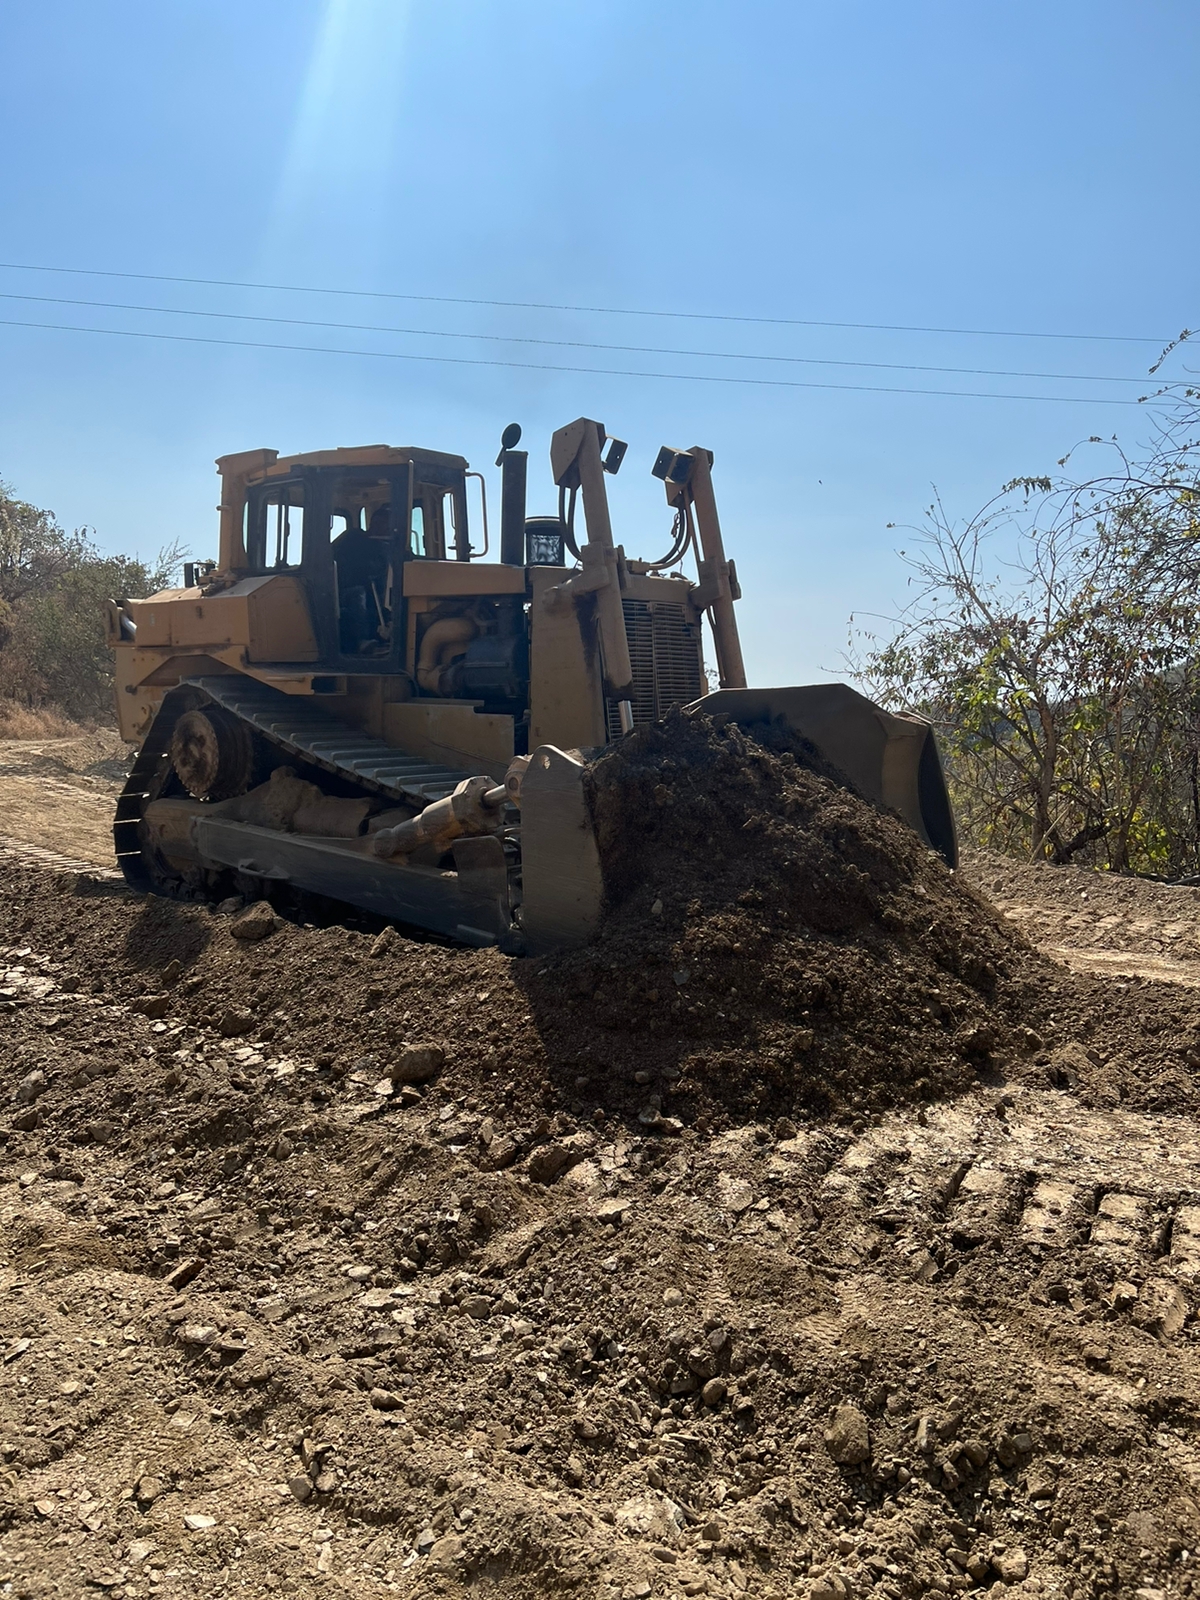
x=577, y=464
x=687, y=475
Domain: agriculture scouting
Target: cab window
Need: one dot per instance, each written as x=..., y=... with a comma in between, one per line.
x=275, y=528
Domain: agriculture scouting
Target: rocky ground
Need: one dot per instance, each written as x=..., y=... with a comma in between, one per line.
x=334, y=1262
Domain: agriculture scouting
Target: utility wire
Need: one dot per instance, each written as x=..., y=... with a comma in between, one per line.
x=539, y=366
x=605, y=311
x=567, y=344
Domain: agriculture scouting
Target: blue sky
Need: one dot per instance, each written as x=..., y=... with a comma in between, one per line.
x=1012, y=167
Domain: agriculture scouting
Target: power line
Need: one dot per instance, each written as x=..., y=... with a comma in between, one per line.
x=605, y=311
x=532, y=366
x=566, y=344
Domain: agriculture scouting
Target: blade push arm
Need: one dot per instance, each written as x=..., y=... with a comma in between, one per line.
x=687, y=475
x=577, y=464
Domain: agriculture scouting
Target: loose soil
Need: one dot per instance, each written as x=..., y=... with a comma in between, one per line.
x=813, y=1233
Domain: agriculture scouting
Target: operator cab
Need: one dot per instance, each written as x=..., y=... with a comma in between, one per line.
x=346, y=527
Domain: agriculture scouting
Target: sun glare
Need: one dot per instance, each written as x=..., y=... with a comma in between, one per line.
x=343, y=145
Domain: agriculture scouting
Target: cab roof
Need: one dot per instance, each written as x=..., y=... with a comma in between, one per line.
x=263, y=464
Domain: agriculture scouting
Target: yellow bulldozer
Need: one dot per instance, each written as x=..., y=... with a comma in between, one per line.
x=354, y=702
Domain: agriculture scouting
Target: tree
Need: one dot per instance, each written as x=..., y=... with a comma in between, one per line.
x=1055, y=640
x=53, y=588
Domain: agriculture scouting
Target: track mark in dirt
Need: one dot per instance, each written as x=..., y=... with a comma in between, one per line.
x=60, y=794
x=1125, y=964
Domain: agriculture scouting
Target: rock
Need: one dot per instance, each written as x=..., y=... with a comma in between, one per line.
x=831, y=1586
x=384, y=942
x=300, y=1486
x=231, y=906
x=702, y=1361
x=325, y=1557
x=235, y=1021
x=502, y=1152
x=197, y=1521
x=1123, y=1295
x=550, y=1161
x=734, y=1194
x=477, y=1306
x=183, y=1274
x=385, y=1400
x=256, y=922
x=419, y=1063
x=26, y=1121
x=615, y=1210
x=847, y=1438
x=573, y=1471
x=1012, y=1565
x=927, y=1435
x=713, y=1392
x=152, y=1005
x=147, y=1490
x=1162, y=1307
x=361, y=1273
x=173, y=971
x=446, y=1550
x=652, y=1516
x=30, y=1086
x=672, y=1297
x=197, y=1334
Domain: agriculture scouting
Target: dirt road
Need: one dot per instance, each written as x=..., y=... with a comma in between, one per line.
x=58, y=794
x=279, y=1317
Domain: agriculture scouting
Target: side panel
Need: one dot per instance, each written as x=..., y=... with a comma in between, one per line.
x=280, y=624
x=451, y=579
x=451, y=732
x=268, y=616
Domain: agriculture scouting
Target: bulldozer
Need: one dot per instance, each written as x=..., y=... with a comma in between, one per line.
x=356, y=701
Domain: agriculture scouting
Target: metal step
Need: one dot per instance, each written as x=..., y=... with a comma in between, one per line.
x=321, y=738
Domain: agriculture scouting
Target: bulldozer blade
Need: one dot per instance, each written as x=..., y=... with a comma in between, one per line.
x=889, y=757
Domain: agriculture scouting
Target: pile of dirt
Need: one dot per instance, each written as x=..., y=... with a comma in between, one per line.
x=776, y=944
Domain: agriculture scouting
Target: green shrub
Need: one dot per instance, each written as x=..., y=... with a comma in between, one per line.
x=53, y=589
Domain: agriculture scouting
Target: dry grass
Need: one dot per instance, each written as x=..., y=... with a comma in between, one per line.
x=30, y=722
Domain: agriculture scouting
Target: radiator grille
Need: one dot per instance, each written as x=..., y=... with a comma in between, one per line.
x=664, y=649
